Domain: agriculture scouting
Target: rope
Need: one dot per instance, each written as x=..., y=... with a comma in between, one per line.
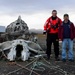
x=36, y=66
x=4, y=54
x=33, y=68
x=27, y=69
x=22, y=67
x=19, y=66
x=53, y=67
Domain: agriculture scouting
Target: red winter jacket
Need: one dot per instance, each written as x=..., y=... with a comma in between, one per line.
x=49, y=23
x=61, y=30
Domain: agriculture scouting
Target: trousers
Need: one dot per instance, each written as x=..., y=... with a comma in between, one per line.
x=69, y=43
x=52, y=38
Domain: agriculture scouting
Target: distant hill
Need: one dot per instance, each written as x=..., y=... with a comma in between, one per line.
x=39, y=31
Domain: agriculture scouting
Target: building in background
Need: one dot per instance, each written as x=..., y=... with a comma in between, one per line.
x=2, y=29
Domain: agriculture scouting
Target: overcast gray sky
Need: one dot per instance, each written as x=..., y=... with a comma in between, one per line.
x=34, y=12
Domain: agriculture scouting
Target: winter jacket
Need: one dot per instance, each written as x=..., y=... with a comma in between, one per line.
x=61, y=31
x=52, y=25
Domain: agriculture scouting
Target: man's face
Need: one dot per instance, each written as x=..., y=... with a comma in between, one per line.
x=54, y=14
x=66, y=18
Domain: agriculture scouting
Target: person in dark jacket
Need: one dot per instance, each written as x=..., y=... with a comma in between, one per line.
x=66, y=34
x=51, y=28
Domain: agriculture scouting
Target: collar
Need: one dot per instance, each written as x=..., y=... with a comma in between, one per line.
x=67, y=22
x=54, y=18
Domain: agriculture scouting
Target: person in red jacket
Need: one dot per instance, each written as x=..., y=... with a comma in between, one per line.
x=51, y=28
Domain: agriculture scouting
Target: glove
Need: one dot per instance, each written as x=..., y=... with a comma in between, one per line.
x=44, y=33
